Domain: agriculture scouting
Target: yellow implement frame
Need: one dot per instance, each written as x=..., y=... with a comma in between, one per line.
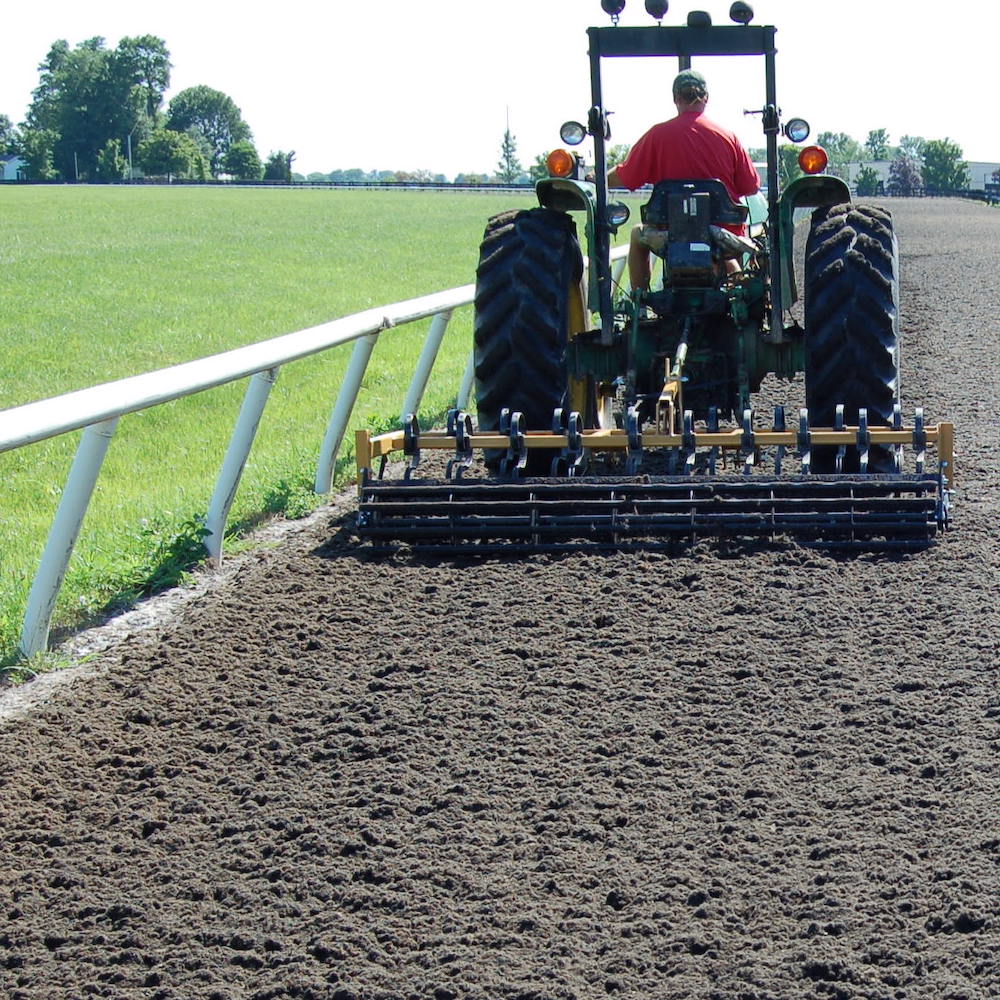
x=942, y=436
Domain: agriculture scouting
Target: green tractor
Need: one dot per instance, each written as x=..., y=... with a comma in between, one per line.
x=570, y=364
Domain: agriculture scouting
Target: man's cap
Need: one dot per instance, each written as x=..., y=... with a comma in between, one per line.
x=690, y=79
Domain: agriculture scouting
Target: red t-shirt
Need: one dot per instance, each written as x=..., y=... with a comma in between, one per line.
x=690, y=147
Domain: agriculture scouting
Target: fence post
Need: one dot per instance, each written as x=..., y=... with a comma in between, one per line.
x=428, y=356
x=346, y=399
x=63, y=535
x=465, y=389
x=235, y=461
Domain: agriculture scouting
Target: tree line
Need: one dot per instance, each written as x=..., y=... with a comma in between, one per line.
x=916, y=164
x=97, y=115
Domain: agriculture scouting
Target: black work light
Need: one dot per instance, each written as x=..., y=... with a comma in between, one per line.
x=741, y=13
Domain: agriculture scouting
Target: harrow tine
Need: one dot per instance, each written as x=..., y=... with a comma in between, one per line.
x=713, y=428
x=747, y=448
x=864, y=438
x=634, y=427
x=459, y=427
x=920, y=439
x=897, y=449
x=411, y=444
x=805, y=442
x=689, y=450
x=779, y=426
x=517, y=451
x=838, y=425
x=558, y=466
x=570, y=461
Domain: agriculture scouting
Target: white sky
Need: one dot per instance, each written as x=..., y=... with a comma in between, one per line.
x=427, y=84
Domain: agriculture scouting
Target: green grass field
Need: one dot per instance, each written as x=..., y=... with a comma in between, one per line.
x=98, y=283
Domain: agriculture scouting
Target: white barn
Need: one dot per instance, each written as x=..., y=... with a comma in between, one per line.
x=980, y=174
x=10, y=168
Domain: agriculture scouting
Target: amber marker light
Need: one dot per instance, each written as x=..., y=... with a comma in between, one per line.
x=560, y=163
x=813, y=159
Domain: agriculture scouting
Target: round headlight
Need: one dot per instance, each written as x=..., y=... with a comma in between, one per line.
x=618, y=214
x=572, y=133
x=813, y=159
x=797, y=129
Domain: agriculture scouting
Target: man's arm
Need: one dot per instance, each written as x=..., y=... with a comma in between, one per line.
x=747, y=178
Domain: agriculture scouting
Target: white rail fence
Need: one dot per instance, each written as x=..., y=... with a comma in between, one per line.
x=98, y=409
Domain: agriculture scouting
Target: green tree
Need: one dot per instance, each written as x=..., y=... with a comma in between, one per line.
x=214, y=115
x=539, y=169
x=279, y=167
x=143, y=63
x=912, y=146
x=509, y=168
x=8, y=136
x=111, y=165
x=788, y=161
x=905, y=176
x=167, y=153
x=842, y=150
x=43, y=111
x=353, y=175
x=867, y=182
x=788, y=164
x=36, y=149
x=90, y=95
x=877, y=144
x=413, y=177
x=242, y=162
x=617, y=154
x=944, y=168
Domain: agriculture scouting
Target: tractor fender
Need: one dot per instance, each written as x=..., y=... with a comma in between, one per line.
x=565, y=194
x=811, y=191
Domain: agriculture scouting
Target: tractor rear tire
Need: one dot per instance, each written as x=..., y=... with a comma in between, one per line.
x=852, y=326
x=530, y=266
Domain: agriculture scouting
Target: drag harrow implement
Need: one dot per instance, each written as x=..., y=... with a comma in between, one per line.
x=741, y=482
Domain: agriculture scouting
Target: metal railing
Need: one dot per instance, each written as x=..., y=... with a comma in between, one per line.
x=98, y=409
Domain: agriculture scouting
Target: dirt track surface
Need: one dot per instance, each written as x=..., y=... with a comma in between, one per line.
x=746, y=775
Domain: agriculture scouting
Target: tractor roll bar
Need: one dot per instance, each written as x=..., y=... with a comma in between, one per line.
x=684, y=43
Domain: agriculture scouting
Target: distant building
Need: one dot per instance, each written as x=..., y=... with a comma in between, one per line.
x=11, y=168
x=980, y=174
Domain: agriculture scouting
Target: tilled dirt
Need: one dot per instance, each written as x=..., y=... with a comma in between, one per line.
x=743, y=773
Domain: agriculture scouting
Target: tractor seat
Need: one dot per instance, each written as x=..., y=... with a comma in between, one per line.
x=691, y=214
x=721, y=209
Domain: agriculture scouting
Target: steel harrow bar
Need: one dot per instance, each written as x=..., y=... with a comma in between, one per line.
x=568, y=509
